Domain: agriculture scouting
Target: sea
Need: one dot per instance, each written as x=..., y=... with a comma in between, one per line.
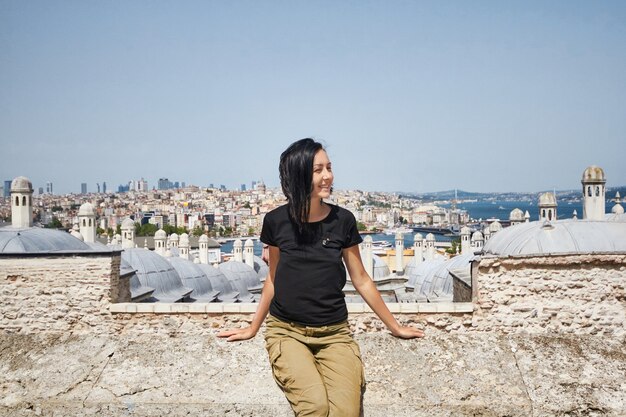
x=479, y=210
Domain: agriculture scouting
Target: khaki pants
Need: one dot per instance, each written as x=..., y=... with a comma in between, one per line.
x=318, y=368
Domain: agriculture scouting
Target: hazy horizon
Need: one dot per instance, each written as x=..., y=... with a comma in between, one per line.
x=483, y=96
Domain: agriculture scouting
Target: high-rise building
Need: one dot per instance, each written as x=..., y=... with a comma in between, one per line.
x=104, y=187
x=83, y=188
x=98, y=187
x=243, y=187
x=164, y=184
x=49, y=188
x=253, y=185
x=6, y=193
x=40, y=190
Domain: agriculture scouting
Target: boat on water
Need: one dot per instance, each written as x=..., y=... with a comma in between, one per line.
x=395, y=230
x=381, y=244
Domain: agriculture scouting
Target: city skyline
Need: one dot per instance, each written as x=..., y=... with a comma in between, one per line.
x=411, y=97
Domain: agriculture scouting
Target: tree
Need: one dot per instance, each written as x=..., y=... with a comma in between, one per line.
x=197, y=231
x=453, y=248
x=361, y=227
x=55, y=223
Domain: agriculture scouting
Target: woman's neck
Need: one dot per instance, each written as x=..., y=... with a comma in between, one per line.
x=318, y=210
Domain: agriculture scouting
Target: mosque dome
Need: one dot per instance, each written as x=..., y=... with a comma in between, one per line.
x=76, y=233
x=128, y=223
x=433, y=279
x=86, y=209
x=562, y=237
x=477, y=236
x=38, y=240
x=547, y=199
x=193, y=277
x=495, y=227
x=240, y=273
x=227, y=292
x=21, y=185
x=593, y=174
x=156, y=272
x=160, y=234
x=617, y=209
x=516, y=215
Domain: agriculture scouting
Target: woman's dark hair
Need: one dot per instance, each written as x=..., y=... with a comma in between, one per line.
x=296, y=175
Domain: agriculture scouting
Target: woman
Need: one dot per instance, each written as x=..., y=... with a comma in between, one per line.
x=314, y=359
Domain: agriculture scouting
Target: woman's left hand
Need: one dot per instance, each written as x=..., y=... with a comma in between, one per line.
x=407, y=332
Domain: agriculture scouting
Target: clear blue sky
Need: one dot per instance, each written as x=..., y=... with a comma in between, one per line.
x=408, y=95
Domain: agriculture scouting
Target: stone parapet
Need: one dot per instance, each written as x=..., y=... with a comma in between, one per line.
x=582, y=294
x=442, y=375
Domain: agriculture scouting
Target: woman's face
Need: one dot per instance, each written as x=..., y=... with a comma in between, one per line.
x=322, y=176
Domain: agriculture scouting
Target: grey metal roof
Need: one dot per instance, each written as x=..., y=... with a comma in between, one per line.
x=433, y=280
x=241, y=277
x=560, y=237
x=234, y=269
x=194, y=277
x=15, y=240
x=155, y=272
x=219, y=282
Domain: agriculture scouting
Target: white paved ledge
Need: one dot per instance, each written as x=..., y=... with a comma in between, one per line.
x=249, y=308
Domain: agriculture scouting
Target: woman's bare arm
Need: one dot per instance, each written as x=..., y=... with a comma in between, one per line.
x=366, y=287
x=264, y=305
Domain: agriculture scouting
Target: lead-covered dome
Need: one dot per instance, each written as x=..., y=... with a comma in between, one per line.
x=86, y=209
x=155, y=272
x=37, y=240
x=593, y=174
x=547, y=199
x=562, y=237
x=21, y=185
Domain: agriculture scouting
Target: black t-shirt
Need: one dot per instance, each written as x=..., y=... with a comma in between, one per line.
x=310, y=276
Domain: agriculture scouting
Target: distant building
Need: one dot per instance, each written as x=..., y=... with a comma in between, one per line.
x=83, y=188
x=49, y=188
x=40, y=190
x=164, y=184
x=243, y=187
x=98, y=187
x=7, y=189
x=104, y=187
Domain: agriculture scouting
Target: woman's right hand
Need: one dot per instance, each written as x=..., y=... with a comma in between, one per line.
x=233, y=335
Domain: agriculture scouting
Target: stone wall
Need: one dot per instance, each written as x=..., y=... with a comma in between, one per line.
x=58, y=293
x=581, y=294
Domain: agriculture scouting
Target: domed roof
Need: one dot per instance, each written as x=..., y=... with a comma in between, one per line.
x=617, y=209
x=430, y=237
x=495, y=227
x=203, y=238
x=418, y=236
x=156, y=272
x=477, y=236
x=174, y=236
x=184, y=239
x=160, y=234
x=38, y=240
x=516, y=215
x=86, y=209
x=547, y=199
x=219, y=282
x=560, y=237
x=128, y=223
x=465, y=230
x=193, y=277
x=433, y=279
x=21, y=185
x=593, y=174
x=241, y=272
